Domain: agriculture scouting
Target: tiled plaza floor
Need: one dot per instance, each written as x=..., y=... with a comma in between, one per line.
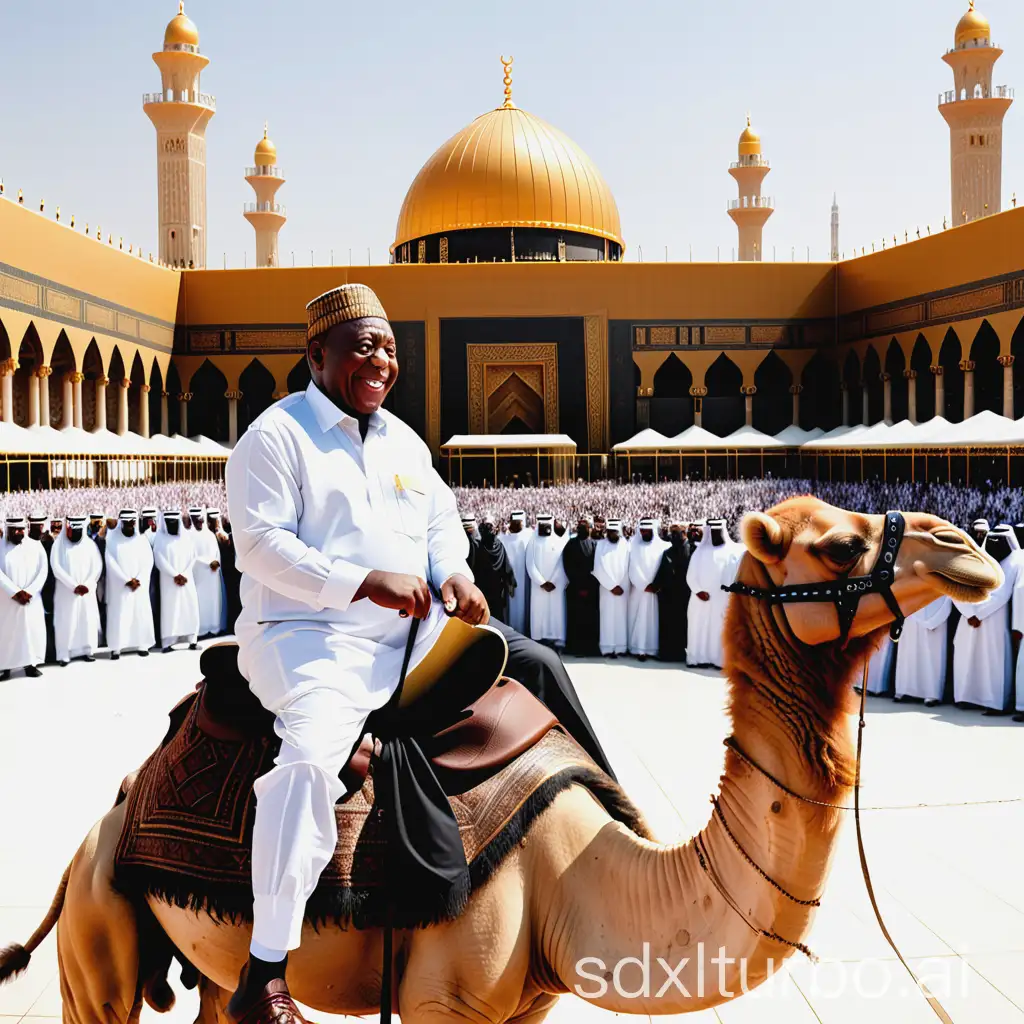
x=945, y=836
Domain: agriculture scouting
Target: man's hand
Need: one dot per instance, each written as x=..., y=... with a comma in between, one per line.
x=133, y=585
x=181, y=580
x=465, y=600
x=547, y=587
x=974, y=621
x=214, y=566
x=703, y=595
x=618, y=591
x=22, y=597
x=81, y=590
x=651, y=588
x=399, y=590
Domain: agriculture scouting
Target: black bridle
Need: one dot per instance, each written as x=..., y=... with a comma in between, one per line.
x=846, y=591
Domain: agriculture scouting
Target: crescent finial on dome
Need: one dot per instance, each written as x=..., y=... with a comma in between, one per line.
x=507, y=65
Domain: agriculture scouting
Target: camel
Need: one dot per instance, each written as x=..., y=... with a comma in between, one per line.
x=712, y=917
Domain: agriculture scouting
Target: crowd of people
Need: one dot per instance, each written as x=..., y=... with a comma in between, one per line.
x=588, y=568
x=81, y=581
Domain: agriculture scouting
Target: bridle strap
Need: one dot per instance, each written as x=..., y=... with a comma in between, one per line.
x=846, y=591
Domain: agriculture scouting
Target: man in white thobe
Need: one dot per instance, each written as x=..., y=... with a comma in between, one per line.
x=547, y=583
x=77, y=566
x=879, y=669
x=149, y=525
x=611, y=570
x=23, y=572
x=982, y=647
x=174, y=556
x=703, y=628
x=129, y=561
x=339, y=521
x=645, y=553
x=516, y=541
x=208, y=576
x=1017, y=623
x=921, y=655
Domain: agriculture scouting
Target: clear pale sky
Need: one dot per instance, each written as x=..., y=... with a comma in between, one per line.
x=359, y=95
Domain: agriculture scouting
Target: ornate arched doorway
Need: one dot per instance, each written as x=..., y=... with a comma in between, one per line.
x=773, y=403
x=672, y=404
x=723, y=409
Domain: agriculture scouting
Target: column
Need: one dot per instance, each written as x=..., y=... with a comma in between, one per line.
x=122, y=406
x=7, y=368
x=940, y=390
x=165, y=419
x=68, y=398
x=33, y=400
x=1006, y=362
x=101, y=403
x=795, y=390
x=183, y=399
x=698, y=394
x=864, y=404
x=76, y=400
x=643, y=407
x=886, y=396
x=748, y=391
x=911, y=379
x=278, y=395
x=967, y=365
x=844, y=391
x=43, y=373
x=144, y=411
x=232, y=397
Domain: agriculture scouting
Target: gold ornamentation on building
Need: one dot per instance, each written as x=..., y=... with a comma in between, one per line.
x=125, y=382
x=639, y=336
x=889, y=318
x=127, y=324
x=483, y=358
x=938, y=371
x=796, y=389
x=967, y=365
x=145, y=389
x=748, y=390
x=595, y=344
x=664, y=336
x=699, y=392
x=910, y=374
x=762, y=335
x=63, y=304
x=204, y=341
x=233, y=396
x=421, y=250
x=1006, y=361
x=247, y=340
x=443, y=246
x=42, y=372
x=967, y=302
x=725, y=335
x=17, y=289
x=100, y=316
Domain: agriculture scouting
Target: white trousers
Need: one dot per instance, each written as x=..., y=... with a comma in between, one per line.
x=321, y=684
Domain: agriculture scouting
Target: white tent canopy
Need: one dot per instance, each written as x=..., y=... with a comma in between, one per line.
x=489, y=442
x=72, y=441
x=646, y=440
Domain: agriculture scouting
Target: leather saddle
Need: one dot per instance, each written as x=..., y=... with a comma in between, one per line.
x=469, y=732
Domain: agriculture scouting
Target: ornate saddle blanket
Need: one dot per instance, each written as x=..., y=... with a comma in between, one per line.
x=188, y=825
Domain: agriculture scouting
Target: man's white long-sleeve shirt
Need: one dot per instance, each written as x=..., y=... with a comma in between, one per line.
x=314, y=508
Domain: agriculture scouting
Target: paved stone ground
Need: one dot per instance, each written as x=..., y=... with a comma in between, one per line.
x=946, y=845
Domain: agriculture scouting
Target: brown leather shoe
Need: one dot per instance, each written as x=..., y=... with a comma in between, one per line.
x=272, y=1004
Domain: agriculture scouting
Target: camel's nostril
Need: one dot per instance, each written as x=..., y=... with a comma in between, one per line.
x=948, y=537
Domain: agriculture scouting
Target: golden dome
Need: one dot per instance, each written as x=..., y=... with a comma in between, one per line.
x=181, y=29
x=750, y=141
x=973, y=25
x=508, y=169
x=266, y=151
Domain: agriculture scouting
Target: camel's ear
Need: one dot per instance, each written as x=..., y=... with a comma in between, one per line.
x=764, y=537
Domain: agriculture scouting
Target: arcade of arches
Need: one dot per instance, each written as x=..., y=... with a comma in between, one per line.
x=67, y=378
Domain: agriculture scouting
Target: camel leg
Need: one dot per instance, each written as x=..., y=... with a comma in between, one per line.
x=213, y=1003
x=97, y=937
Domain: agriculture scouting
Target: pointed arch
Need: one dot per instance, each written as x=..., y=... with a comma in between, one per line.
x=5, y=344
x=173, y=400
x=950, y=355
x=872, y=378
x=723, y=409
x=821, y=403
x=988, y=374
x=257, y=387
x=156, y=390
x=773, y=403
x=672, y=404
x=1017, y=351
x=895, y=364
x=62, y=363
x=208, y=410
x=299, y=376
x=854, y=389
x=921, y=364
x=136, y=396
x=30, y=358
x=117, y=372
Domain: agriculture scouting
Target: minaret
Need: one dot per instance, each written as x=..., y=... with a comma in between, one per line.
x=835, y=229
x=974, y=111
x=265, y=215
x=180, y=114
x=752, y=210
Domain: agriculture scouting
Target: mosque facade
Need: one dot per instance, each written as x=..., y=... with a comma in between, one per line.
x=493, y=337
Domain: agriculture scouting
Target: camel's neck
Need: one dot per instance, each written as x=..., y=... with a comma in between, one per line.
x=739, y=898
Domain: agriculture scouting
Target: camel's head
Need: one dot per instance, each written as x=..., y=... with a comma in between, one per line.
x=805, y=541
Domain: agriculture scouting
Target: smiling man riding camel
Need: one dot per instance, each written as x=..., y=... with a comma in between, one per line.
x=343, y=530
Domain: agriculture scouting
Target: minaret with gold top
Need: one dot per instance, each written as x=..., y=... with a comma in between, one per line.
x=180, y=114
x=266, y=215
x=974, y=111
x=751, y=210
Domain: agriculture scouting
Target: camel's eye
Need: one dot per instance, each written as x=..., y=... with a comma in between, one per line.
x=842, y=552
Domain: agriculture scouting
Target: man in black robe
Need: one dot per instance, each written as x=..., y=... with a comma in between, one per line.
x=582, y=593
x=148, y=524
x=673, y=596
x=232, y=577
x=492, y=570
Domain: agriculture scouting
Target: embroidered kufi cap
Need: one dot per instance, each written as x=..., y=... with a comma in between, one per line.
x=346, y=302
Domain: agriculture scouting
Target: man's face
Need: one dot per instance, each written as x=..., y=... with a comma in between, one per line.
x=15, y=534
x=148, y=523
x=213, y=523
x=583, y=529
x=694, y=534
x=646, y=535
x=613, y=536
x=487, y=529
x=35, y=531
x=55, y=527
x=544, y=529
x=355, y=363
x=675, y=533
x=197, y=521
x=128, y=527
x=75, y=534
x=559, y=528
x=172, y=526
x=94, y=527
x=515, y=525
x=469, y=528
